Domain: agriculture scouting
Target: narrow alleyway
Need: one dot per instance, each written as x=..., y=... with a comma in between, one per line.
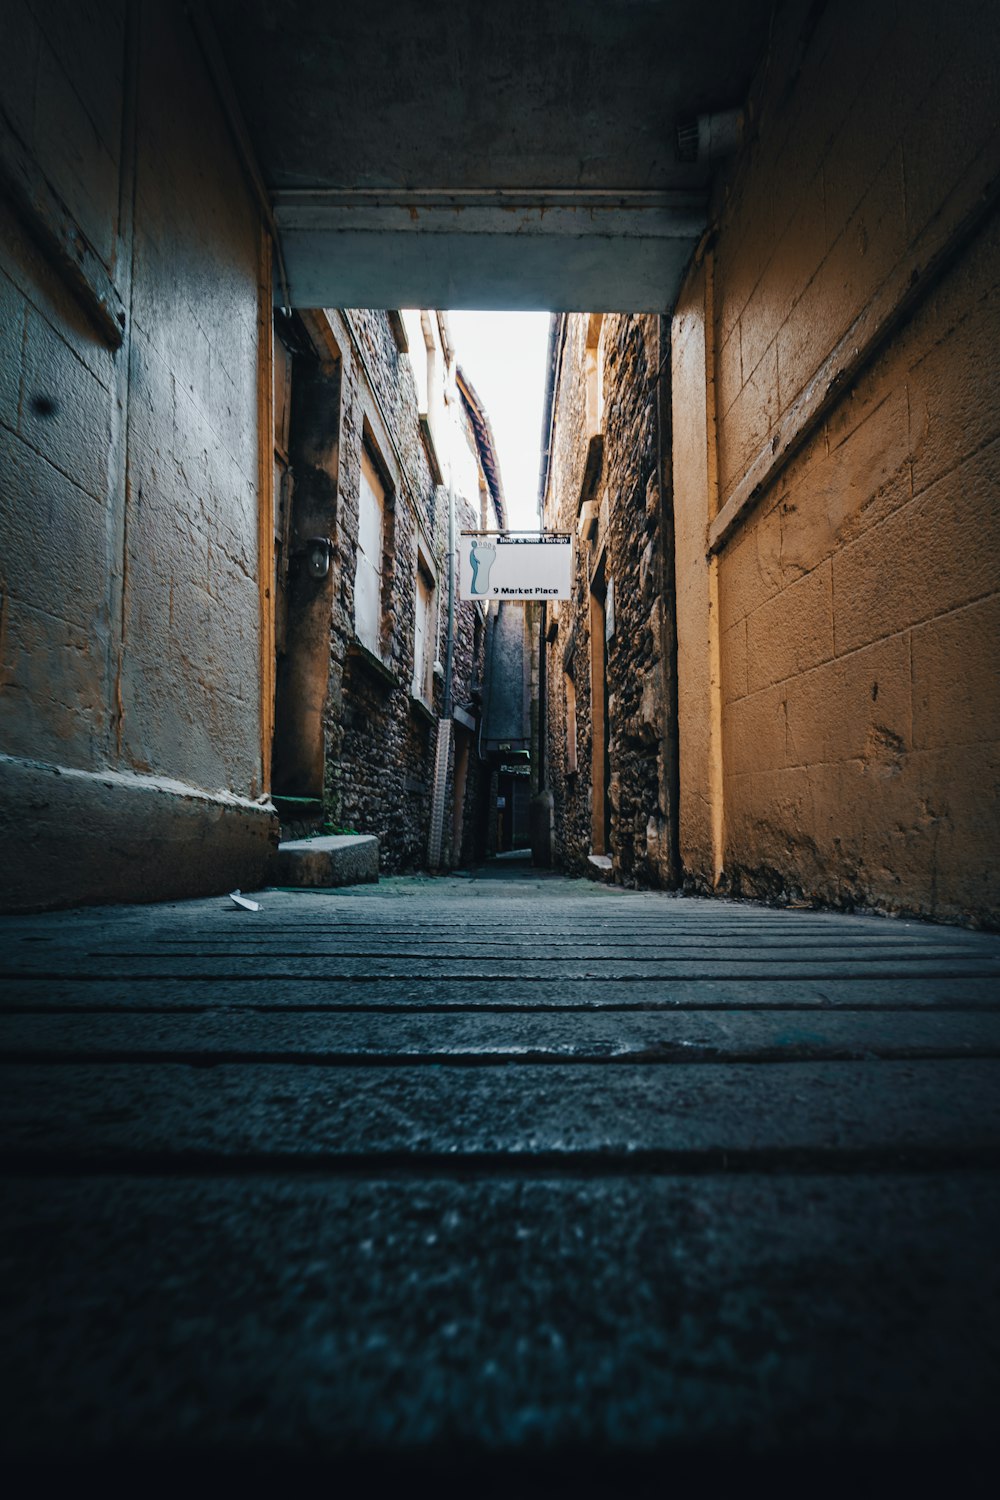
x=517, y=1162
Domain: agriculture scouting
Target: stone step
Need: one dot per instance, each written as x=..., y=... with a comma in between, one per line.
x=644, y=1116
x=336, y=859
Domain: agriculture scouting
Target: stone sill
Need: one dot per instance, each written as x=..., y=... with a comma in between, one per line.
x=422, y=709
x=358, y=652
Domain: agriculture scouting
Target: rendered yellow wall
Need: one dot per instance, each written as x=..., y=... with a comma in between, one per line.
x=858, y=592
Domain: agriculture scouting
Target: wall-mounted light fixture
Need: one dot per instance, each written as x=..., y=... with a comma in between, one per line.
x=316, y=552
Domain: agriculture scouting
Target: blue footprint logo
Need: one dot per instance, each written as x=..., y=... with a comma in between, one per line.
x=482, y=556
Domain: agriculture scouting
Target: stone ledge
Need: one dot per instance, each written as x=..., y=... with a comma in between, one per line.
x=338, y=859
x=360, y=653
x=74, y=837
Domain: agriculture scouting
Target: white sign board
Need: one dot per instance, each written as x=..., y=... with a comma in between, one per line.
x=503, y=565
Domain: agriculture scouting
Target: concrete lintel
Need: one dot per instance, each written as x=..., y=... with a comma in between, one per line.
x=500, y=266
x=544, y=210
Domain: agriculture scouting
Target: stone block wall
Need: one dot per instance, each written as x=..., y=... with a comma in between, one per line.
x=131, y=269
x=190, y=680
x=836, y=450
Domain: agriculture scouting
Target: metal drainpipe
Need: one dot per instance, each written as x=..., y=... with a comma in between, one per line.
x=542, y=695
x=668, y=595
x=442, y=747
x=450, y=647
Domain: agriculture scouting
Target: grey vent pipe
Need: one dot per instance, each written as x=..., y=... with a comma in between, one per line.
x=709, y=137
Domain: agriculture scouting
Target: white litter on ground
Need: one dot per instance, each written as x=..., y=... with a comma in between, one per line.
x=244, y=901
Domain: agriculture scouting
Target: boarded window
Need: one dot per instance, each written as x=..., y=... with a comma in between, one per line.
x=371, y=546
x=424, y=638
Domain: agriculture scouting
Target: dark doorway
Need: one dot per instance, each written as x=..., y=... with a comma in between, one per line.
x=306, y=456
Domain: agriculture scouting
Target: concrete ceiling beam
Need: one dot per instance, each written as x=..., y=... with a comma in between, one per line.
x=563, y=251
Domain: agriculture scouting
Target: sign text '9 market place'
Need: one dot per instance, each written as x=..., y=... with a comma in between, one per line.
x=511, y=565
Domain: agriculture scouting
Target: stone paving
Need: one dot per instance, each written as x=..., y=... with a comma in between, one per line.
x=524, y=1167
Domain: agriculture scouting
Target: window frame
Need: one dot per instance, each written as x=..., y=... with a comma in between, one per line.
x=371, y=457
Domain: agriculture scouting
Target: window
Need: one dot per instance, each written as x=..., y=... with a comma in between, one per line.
x=424, y=635
x=429, y=359
x=371, y=549
x=595, y=374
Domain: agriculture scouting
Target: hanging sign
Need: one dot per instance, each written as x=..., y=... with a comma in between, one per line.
x=515, y=565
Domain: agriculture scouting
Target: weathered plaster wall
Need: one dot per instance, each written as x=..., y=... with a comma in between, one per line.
x=857, y=591
x=623, y=556
x=128, y=511
x=190, y=690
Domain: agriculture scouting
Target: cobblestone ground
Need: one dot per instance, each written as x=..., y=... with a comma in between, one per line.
x=523, y=1167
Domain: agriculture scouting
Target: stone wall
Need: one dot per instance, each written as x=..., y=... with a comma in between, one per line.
x=621, y=559
x=568, y=645
x=130, y=273
x=380, y=738
x=839, y=713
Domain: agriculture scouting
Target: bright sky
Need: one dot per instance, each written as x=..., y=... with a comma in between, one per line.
x=503, y=354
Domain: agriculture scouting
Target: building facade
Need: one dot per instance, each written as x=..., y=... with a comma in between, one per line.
x=224, y=531
x=804, y=475
x=224, y=527
x=379, y=667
